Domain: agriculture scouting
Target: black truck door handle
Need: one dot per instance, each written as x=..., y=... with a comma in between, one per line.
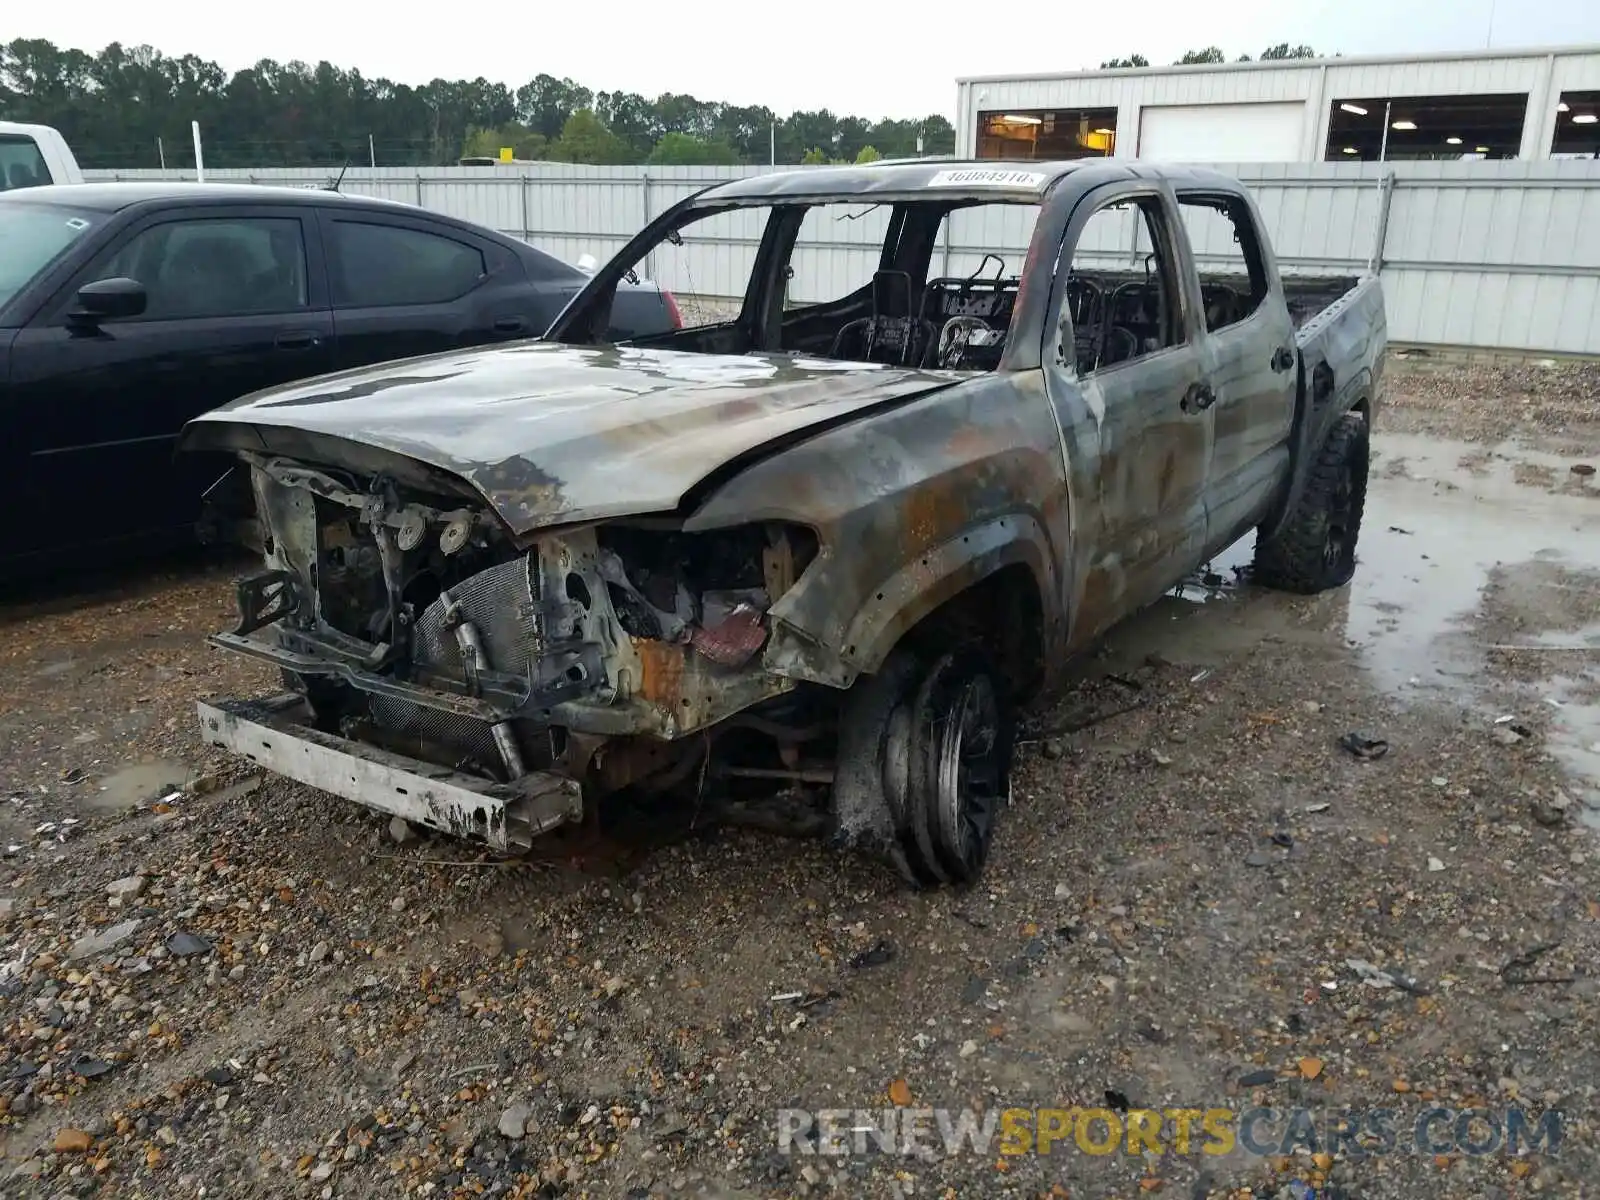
x=297, y=339
x=1198, y=398
x=508, y=324
x=1282, y=359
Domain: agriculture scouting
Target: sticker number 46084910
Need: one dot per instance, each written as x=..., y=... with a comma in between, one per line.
x=987, y=177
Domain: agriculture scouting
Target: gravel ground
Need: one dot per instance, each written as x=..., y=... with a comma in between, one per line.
x=214, y=983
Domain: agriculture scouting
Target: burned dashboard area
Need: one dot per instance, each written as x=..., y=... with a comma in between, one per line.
x=414, y=623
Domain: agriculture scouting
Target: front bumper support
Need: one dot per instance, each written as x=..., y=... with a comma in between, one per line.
x=505, y=816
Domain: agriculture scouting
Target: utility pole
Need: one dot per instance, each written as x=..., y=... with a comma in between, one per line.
x=372, y=152
x=161, y=154
x=772, y=143
x=199, y=158
x=1488, y=38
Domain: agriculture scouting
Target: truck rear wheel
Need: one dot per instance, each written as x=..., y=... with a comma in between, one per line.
x=1315, y=550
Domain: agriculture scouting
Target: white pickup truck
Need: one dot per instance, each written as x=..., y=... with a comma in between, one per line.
x=34, y=156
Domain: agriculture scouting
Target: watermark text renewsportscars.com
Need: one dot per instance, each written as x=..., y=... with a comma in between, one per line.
x=1351, y=1133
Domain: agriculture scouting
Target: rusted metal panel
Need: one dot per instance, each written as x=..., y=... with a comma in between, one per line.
x=504, y=816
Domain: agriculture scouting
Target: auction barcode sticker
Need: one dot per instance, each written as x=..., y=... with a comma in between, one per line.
x=987, y=177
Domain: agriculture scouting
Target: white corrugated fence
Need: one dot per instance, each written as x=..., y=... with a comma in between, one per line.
x=1482, y=255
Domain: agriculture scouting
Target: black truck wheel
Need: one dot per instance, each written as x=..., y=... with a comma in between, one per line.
x=1315, y=550
x=937, y=738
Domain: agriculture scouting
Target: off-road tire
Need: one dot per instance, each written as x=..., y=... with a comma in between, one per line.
x=1315, y=550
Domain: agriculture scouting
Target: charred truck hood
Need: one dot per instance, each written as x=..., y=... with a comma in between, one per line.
x=548, y=434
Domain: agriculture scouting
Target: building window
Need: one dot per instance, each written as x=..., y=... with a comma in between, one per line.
x=1400, y=128
x=1577, y=126
x=1047, y=133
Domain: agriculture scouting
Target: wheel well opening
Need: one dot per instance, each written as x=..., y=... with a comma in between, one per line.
x=1002, y=613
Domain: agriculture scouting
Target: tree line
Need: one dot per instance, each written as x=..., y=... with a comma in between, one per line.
x=1214, y=54
x=128, y=107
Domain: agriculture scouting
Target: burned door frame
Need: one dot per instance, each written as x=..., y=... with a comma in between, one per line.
x=1137, y=446
x=1256, y=390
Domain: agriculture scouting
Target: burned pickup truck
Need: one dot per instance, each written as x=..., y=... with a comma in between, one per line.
x=951, y=423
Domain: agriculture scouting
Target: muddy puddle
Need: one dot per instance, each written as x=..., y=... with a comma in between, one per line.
x=1478, y=584
x=136, y=784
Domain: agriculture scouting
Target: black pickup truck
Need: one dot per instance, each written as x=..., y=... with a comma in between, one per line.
x=821, y=546
x=128, y=308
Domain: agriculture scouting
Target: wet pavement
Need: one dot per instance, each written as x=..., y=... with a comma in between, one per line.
x=301, y=1006
x=1444, y=519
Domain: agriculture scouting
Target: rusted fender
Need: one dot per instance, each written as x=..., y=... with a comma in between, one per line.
x=911, y=505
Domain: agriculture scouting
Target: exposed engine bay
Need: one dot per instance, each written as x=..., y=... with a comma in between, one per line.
x=412, y=625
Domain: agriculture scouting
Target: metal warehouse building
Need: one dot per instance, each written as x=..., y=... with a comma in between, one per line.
x=1522, y=104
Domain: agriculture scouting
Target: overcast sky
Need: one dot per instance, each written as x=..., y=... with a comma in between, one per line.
x=860, y=57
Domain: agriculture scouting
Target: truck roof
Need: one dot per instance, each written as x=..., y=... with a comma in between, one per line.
x=1019, y=181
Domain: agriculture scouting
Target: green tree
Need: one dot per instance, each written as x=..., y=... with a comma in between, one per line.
x=813, y=158
x=1210, y=54
x=544, y=103
x=585, y=139
x=1284, y=50
x=632, y=118
x=868, y=154
x=1133, y=60
x=487, y=143
x=130, y=106
x=684, y=150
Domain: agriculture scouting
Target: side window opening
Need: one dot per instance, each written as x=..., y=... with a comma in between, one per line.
x=835, y=253
x=1121, y=291
x=1233, y=279
x=945, y=304
x=707, y=264
x=383, y=266
x=215, y=267
x=924, y=284
x=21, y=163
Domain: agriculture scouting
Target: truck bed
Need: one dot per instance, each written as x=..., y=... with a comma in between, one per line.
x=1305, y=295
x=1340, y=333
x=1309, y=295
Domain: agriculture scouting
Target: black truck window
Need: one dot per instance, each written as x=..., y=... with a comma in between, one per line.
x=215, y=267
x=1233, y=279
x=379, y=266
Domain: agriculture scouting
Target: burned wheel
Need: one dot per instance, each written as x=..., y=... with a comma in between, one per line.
x=932, y=742
x=960, y=743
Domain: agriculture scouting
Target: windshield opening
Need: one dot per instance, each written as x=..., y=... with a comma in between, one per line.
x=931, y=284
x=32, y=236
